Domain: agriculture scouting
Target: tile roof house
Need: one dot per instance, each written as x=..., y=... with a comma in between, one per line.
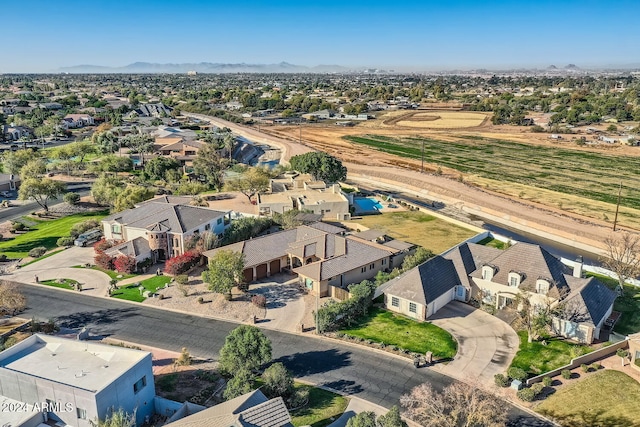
x=325, y=261
x=496, y=277
x=72, y=121
x=249, y=410
x=158, y=228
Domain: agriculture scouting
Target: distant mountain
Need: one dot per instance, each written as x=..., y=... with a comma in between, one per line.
x=572, y=67
x=204, y=67
x=552, y=67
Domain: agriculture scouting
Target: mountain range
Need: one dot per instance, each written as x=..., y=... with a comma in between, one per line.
x=204, y=67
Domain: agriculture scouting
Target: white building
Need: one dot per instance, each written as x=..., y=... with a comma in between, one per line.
x=73, y=382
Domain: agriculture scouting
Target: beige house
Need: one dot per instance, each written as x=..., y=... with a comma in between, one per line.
x=300, y=191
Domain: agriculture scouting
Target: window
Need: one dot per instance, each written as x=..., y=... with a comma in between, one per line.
x=82, y=413
x=412, y=307
x=208, y=227
x=363, y=269
x=327, y=211
x=395, y=302
x=140, y=384
x=371, y=266
x=219, y=221
x=513, y=281
x=116, y=229
x=384, y=261
x=542, y=287
x=487, y=272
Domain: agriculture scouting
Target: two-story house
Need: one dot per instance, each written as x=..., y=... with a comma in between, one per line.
x=73, y=121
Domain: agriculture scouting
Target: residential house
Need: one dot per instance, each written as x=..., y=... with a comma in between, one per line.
x=165, y=223
x=14, y=133
x=183, y=151
x=73, y=121
x=150, y=110
x=496, y=277
x=325, y=260
x=300, y=191
x=166, y=135
x=249, y=410
x=9, y=182
x=78, y=382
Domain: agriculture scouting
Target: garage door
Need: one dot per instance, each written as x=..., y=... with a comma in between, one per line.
x=275, y=266
x=248, y=275
x=261, y=271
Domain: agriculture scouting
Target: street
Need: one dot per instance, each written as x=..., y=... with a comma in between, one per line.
x=372, y=376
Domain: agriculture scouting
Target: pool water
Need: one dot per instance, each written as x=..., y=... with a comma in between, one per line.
x=367, y=204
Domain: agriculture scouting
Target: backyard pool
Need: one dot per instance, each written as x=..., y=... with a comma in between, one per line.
x=367, y=205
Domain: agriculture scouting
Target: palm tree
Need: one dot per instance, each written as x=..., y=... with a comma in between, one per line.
x=229, y=142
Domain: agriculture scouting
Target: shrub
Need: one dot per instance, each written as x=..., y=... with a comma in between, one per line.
x=83, y=226
x=299, y=398
x=182, y=279
x=595, y=366
x=37, y=252
x=537, y=388
x=501, y=380
x=526, y=394
x=144, y=264
x=182, y=288
x=259, y=301
x=17, y=226
x=125, y=264
x=104, y=261
x=64, y=241
x=547, y=381
x=10, y=342
x=566, y=374
x=71, y=198
x=585, y=367
x=184, y=359
x=182, y=263
x=102, y=245
x=517, y=374
x=200, y=300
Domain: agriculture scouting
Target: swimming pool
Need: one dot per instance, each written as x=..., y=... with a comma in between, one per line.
x=367, y=204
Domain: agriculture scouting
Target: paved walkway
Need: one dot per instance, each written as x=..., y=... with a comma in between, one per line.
x=486, y=345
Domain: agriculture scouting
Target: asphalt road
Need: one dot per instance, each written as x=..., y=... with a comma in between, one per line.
x=7, y=214
x=375, y=377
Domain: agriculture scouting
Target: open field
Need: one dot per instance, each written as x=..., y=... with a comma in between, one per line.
x=415, y=227
x=604, y=398
x=434, y=119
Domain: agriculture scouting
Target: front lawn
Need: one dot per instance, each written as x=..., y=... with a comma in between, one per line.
x=44, y=233
x=494, y=243
x=394, y=329
x=605, y=398
x=416, y=227
x=628, y=304
x=132, y=293
x=324, y=407
x=113, y=274
x=536, y=358
x=66, y=283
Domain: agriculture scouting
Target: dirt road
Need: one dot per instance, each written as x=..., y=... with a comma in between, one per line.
x=370, y=165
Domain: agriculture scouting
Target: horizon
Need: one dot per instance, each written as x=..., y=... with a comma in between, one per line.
x=414, y=37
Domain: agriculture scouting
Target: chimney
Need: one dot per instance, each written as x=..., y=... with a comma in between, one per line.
x=577, y=267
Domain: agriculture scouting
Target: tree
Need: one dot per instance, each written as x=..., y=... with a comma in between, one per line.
x=241, y=383
x=13, y=161
x=71, y=198
x=11, y=299
x=391, y=418
x=229, y=142
x=156, y=169
x=320, y=165
x=420, y=256
x=537, y=318
x=111, y=163
x=33, y=168
x=125, y=264
x=132, y=194
x=139, y=143
x=252, y=181
x=41, y=190
x=106, y=188
x=225, y=271
x=458, y=405
x=622, y=256
x=246, y=347
x=362, y=295
x=209, y=167
x=363, y=419
x=277, y=381
x=117, y=418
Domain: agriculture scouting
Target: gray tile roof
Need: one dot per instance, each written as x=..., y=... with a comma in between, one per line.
x=135, y=247
x=399, y=245
x=426, y=282
x=323, y=226
x=468, y=257
x=370, y=235
x=588, y=301
x=261, y=249
x=272, y=413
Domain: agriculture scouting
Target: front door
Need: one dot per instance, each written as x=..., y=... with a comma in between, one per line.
x=461, y=293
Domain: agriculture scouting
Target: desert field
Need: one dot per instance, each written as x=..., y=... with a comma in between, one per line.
x=431, y=119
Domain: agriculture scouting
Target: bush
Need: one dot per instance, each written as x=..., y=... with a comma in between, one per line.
x=103, y=261
x=64, y=241
x=259, y=301
x=501, y=380
x=585, y=367
x=124, y=264
x=17, y=226
x=182, y=279
x=83, y=226
x=547, y=381
x=595, y=366
x=517, y=374
x=200, y=300
x=71, y=198
x=537, y=388
x=102, y=245
x=182, y=263
x=526, y=394
x=299, y=398
x=184, y=359
x=566, y=374
x=37, y=252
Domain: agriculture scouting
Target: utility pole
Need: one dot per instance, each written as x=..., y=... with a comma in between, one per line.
x=615, y=220
x=422, y=165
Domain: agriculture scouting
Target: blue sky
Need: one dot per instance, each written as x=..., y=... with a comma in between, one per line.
x=419, y=35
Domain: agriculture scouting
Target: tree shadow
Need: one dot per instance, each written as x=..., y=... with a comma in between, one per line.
x=591, y=418
x=316, y=362
x=345, y=386
x=101, y=317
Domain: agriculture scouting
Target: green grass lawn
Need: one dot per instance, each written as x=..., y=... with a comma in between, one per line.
x=324, y=407
x=42, y=257
x=628, y=304
x=536, y=358
x=132, y=293
x=494, y=243
x=416, y=227
x=67, y=284
x=393, y=329
x=604, y=398
x=112, y=274
x=43, y=233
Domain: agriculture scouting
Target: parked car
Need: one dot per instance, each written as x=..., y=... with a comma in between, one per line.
x=88, y=237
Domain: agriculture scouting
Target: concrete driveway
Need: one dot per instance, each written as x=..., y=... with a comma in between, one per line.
x=486, y=344
x=285, y=303
x=59, y=266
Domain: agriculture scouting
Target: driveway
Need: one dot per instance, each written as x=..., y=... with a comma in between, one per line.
x=285, y=303
x=486, y=344
x=58, y=266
